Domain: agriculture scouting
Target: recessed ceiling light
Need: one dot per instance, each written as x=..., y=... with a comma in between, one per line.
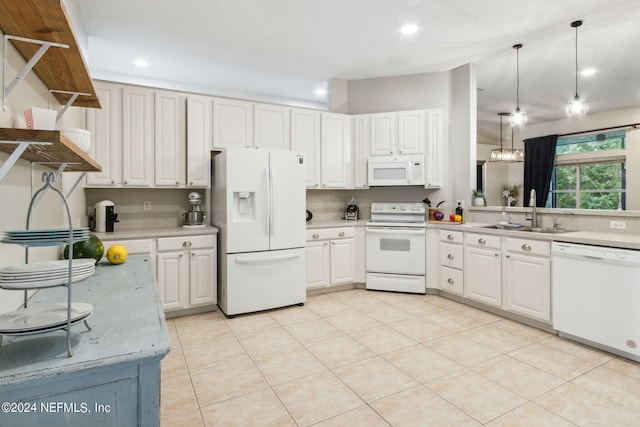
x=588, y=72
x=321, y=92
x=409, y=29
x=141, y=63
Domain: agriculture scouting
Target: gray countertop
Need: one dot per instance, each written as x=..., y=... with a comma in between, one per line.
x=151, y=233
x=128, y=324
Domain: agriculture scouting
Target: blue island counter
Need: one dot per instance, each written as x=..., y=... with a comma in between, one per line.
x=113, y=378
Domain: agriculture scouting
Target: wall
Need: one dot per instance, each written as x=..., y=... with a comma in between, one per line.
x=15, y=188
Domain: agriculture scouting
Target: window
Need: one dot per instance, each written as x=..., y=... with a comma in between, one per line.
x=589, y=172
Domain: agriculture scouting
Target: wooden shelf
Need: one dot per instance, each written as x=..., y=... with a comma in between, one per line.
x=61, y=149
x=59, y=69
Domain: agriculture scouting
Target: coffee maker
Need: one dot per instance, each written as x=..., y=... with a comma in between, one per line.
x=106, y=216
x=351, y=212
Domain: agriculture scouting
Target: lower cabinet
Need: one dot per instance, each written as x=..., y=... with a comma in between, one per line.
x=451, y=261
x=527, y=278
x=482, y=265
x=331, y=257
x=186, y=271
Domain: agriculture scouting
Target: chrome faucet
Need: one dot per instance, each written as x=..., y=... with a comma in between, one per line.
x=532, y=205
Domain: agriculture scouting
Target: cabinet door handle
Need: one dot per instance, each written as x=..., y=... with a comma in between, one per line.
x=450, y=281
x=482, y=241
x=507, y=256
x=186, y=244
x=450, y=256
x=325, y=243
x=126, y=182
x=526, y=247
x=315, y=236
x=496, y=254
x=191, y=183
x=341, y=234
x=450, y=237
x=181, y=255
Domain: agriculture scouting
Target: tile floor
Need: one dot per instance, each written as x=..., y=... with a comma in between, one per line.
x=364, y=358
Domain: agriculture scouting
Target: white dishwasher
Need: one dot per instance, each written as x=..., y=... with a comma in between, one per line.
x=596, y=296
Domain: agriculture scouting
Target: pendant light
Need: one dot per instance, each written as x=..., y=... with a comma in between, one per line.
x=518, y=118
x=507, y=155
x=576, y=107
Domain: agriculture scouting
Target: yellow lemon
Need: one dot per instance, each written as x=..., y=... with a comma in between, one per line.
x=117, y=254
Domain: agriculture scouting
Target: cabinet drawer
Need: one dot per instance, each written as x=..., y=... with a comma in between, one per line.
x=330, y=233
x=134, y=246
x=483, y=240
x=451, y=280
x=451, y=236
x=451, y=255
x=531, y=247
x=186, y=242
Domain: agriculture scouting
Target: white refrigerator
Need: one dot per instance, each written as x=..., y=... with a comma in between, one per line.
x=258, y=204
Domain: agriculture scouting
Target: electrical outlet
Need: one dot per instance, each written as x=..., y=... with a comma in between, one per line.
x=618, y=225
x=147, y=205
x=460, y=203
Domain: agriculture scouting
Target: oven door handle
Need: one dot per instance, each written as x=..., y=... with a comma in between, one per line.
x=397, y=230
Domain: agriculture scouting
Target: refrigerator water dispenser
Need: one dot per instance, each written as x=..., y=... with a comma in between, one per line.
x=244, y=206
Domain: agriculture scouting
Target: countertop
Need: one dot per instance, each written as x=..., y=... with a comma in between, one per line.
x=150, y=233
x=616, y=240
x=127, y=325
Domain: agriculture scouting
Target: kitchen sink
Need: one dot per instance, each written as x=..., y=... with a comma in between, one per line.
x=527, y=229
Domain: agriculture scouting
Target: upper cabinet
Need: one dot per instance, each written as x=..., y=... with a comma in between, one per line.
x=383, y=136
x=397, y=133
x=232, y=123
x=170, y=139
x=436, y=143
x=105, y=126
x=305, y=137
x=360, y=151
x=337, y=166
x=271, y=127
x=199, y=140
x=137, y=136
x=250, y=125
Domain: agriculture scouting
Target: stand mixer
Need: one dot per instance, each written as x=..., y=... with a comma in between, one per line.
x=194, y=217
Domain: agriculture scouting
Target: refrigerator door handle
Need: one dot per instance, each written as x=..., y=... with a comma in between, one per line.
x=272, y=195
x=263, y=260
x=268, y=201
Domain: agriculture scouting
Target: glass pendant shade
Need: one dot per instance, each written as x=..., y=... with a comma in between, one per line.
x=518, y=118
x=576, y=107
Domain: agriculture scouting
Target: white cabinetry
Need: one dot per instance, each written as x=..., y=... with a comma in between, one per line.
x=360, y=151
x=170, y=139
x=436, y=142
x=336, y=165
x=482, y=278
x=122, y=133
x=451, y=256
x=199, y=140
x=330, y=257
x=397, y=133
x=134, y=246
x=271, y=127
x=527, y=278
x=305, y=137
x=186, y=271
x=232, y=123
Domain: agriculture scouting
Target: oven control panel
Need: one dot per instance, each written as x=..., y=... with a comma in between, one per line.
x=401, y=212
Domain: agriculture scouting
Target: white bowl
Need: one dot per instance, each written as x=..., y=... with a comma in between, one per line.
x=80, y=137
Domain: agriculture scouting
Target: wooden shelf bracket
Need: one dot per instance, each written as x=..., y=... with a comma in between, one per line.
x=7, y=88
x=72, y=99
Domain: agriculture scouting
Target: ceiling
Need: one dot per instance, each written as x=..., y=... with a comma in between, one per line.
x=283, y=50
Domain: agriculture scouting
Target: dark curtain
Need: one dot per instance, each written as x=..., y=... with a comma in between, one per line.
x=539, y=154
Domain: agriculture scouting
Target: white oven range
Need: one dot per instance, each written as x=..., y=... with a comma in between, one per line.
x=395, y=248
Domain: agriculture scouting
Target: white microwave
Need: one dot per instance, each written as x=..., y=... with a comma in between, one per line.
x=396, y=170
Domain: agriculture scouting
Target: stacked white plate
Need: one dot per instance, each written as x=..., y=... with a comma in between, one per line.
x=42, y=318
x=45, y=237
x=45, y=274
